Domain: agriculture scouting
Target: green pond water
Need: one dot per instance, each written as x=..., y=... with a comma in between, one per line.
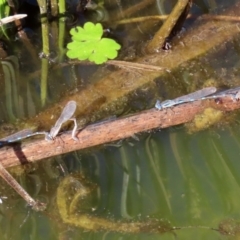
x=190, y=181
x=169, y=183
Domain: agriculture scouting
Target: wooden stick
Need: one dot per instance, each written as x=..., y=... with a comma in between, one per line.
x=36, y=205
x=166, y=28
x=110, y=131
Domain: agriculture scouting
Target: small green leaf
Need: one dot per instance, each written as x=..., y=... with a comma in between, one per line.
x=87, y=44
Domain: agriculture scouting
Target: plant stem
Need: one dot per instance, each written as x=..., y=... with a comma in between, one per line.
x=61, y=34
x=62, y=8
x=44, y=76
x=45, y=40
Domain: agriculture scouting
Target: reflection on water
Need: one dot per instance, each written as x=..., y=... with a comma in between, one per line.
x=168, y=177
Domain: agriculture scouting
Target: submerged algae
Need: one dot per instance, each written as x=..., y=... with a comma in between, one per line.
x=73, y=194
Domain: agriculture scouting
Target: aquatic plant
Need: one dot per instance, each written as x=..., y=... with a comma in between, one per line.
x=4, y=12
x=87, y=43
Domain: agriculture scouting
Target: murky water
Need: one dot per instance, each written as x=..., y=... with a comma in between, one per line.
x=186, y=180
x=167, y=185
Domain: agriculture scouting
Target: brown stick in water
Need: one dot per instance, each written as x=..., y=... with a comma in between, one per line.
x=36, y=205
x=110, y=131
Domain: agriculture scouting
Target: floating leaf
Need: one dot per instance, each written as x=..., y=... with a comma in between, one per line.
x=88, y=44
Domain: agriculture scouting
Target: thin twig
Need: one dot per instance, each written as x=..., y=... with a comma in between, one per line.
x=19, y=189
x=139, y=66
x=191, y=16
x=142, y=19
x=136, y=8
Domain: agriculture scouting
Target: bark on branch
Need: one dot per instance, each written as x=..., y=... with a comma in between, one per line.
x=105, y=132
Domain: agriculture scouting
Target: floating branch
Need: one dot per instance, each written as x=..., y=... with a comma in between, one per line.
x=110, y=131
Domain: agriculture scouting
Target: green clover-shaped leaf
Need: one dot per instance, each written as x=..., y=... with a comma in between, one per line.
x=88, y=44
